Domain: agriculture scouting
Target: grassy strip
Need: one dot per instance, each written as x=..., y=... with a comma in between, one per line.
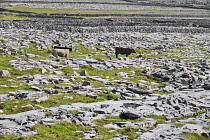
x=111, y=119
x=195, y=136
x=73, y=11
x=107, y=134
x=197, y=113
x=60, y=131
x=181, y=124
x=11, y=17
x=20, y=105
x=159, y=118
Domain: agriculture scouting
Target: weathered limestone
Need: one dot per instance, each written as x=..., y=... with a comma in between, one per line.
x=4, y=73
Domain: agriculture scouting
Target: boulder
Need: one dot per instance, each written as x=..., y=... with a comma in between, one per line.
x=4, y=73
x=86, y=83
x=83, y=73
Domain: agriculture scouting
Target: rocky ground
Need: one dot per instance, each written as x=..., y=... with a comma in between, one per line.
x=160, y=92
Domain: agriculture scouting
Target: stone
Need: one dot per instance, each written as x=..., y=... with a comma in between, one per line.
x=4, y=73
x=86, y=83
x=130, y=115
x=58, y=72
x=35, y=88
x=139, y=91
x=44, y=70
x=75, y=74
x=83, y=73
x=44, y=98
x=123, y=74
x=5, y=97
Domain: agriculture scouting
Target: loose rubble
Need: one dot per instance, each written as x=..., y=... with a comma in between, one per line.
x=174, y=54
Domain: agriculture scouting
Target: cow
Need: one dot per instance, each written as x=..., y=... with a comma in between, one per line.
x=59, y=52
x=126, y=51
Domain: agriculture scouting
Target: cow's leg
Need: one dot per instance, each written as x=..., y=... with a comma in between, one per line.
x=126, y=53
x=67, y=55
x=116, y=52
x=116, y=55
x=55, y=53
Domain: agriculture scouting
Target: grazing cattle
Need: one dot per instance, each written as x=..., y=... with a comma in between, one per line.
x=126, y=51
x=59, y=52
x=56, y=47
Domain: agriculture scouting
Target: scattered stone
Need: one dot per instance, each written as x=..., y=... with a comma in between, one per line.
x=86, y=83
x=83, y=73
x=4, y=73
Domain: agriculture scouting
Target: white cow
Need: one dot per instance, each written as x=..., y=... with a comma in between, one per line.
x=59, y=52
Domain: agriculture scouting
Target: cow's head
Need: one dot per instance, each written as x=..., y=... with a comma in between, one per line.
x=132, y=51
x=50, y=51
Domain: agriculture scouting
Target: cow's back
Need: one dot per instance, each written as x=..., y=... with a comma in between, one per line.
x=61, y=52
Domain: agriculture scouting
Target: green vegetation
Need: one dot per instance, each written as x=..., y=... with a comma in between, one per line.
x=107, y=134
x=159, y=118
x=73, y=112
x=111, y=119
x=67, y=131
x=74, y=11
x=197, y=113
x=195, y=136
x=181, y=124
x=17, y=105
x=11, y=17
x=59, y=131
x=112, y=74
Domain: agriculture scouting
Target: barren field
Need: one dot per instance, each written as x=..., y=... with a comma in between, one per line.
x=161, y=92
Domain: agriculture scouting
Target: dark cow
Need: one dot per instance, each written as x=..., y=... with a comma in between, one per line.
x=126, y=51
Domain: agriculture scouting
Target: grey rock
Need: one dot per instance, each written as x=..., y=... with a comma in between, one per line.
x=83, y=73
x=5, y=97
x=4, y=73
x=35, y=88
x=130, y=115
x=86, y=83
x=29, y=94
x=139, y=91
x=75, y=74
x=123, y=74
x=194, y=128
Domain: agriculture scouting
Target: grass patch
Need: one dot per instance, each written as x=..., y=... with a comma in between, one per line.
x=60, y=131
x=94, y=83
x=181, y=124
x=195, y=136
x=67, y=71
x=12, y=17
x=16, y=105
x=73, y=11
x=67, y=131
x=159, y=118
x=32, y=49
x=81, y=49
x=197, y=113
x=112, y=74
x=102, y=58
x=15, y=86
x=111, y=119
x=73, y=112
x=107, y=134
